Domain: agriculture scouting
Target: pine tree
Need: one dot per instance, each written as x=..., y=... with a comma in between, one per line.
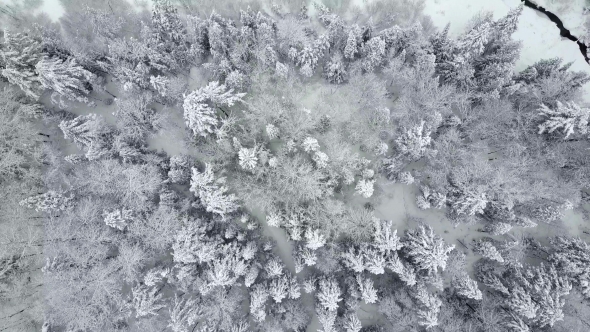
x=385, y=239
x=160, y=84
x=168, y=38
x=315, y=239
x=66, y=78
x=469, y=203
x=193, y=245
x=310, y=144
x=180, y=169
x=247, y=158
x=365, y=188
x=374, y=260
x=351, y=48
x=278, y=288
x=251, y=276
x=522, y=303
x=213, y=192
x=47, y=202
x=329, y=294
x=467, y=287
x=404, y=272
x=498, y=228
x=146, y=300
x=20, y=54
x=368, y=291
x=199, y=112
x=354, y=260
x=258, y=297
x=118, y=218
x=184, y=313
x=414, y=142
x=373, y=53
x=568, y=118
x=84, y=129
x=274, y=268
x=572, y=257
x=426, y=250
x=335, y=71
x=327, y=318
x=429, y=306
x=562, y=82
x=488, y=250
x=352, y=323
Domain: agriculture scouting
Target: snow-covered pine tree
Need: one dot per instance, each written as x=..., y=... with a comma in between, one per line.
x=335, y=71
x=354, y=259
x=469, y=203
x=66, y=78
x=329, y=294
x=146, y=300
x=20, y=53
x=365, y=188
x=385, y=239
x=327, y=318
x=199, y=107
x=367, y=289
x=118, y=218
x=247, y=158
x=429, y=306
x=351, y=323
x=373, y=53
x=258, y=296
x=278, y=288
x=274, y=268
x=571, y=257
x=563, y=82
x=405, y=273
x=426, y=250
x=84, y=129
x=488, y=250
x=570, y=118
x=213, y=192
x=168, y=37
x=315, y=239
x=184, y=313
x=414, y=141
x=193, y=245
x=48, y=201
x=467, y=287
x=495, y=67
x=351, y=49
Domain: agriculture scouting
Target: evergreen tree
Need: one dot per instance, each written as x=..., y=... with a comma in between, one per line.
x=20, y=53
x=569, y=118
x=329, y=294
x=426, y=250
x=213, y=192
x=467, y=287
x=572, y=258
x=66, y=78
x=414, y=141
x=199, y=112
x=168, y=38
x=488, y=250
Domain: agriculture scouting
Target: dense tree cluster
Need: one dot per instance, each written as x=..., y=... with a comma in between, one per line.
x=186, y=169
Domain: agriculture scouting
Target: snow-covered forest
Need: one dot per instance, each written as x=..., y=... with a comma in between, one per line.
x=259, y=165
